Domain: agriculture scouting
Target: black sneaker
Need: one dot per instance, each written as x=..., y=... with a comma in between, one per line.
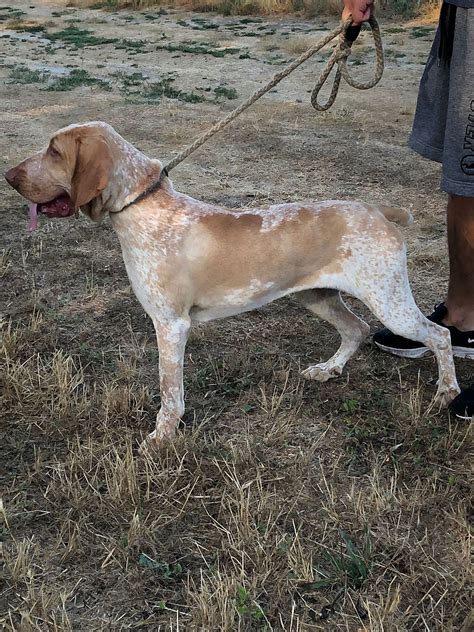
x=462, y=341
x=463, y=405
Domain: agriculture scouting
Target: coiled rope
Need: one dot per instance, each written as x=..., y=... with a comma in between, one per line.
x=339, y=56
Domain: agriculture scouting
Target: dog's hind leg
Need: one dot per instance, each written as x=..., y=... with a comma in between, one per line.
x=328, y=305
x=389, y=297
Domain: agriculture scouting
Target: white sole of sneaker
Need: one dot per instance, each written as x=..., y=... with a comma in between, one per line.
x=463, y=352
x=421, y=352
x=465, y=417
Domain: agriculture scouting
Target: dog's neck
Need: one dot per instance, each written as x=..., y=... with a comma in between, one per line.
x=133, y=173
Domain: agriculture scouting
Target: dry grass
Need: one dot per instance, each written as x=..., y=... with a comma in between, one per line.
x=282, y=504
x=265, y=521
x=404, y=8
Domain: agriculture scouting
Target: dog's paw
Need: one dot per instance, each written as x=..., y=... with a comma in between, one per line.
x=322, y=372
x=161, y=436
x=445, y=396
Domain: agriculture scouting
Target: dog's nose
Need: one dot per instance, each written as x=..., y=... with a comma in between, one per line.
x=11, y=176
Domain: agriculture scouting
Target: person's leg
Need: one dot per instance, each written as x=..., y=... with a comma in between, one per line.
x=443, y=131
x=460, y=299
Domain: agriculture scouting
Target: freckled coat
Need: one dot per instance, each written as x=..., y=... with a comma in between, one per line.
x=188, y=260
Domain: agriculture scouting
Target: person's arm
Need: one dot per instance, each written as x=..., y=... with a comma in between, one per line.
x=361, y=10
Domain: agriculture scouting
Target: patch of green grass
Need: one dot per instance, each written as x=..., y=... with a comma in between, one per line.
x=357, y=61
x=205, y=24
x=135, y=45
x=23, y=75
x=421, y=31
x=164, y=569
x=135, y=84
x=198, y=49
x=163, y=88
x=198, y=24
x=156, y=15
x=227, y=93
x=76, y=78
x=276, y=60
x=348, y=568
x=394, y=29
x=79, y=38
x=248, y=609
x=129, y=81
x=7, y=13
x=390, y=53
x=350, y=405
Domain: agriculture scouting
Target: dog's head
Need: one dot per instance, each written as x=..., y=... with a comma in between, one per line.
x=70, y=173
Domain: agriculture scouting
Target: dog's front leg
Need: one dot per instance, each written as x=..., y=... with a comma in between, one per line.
x=171, y=334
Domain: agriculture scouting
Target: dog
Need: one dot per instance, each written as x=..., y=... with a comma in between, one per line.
x=192, y=261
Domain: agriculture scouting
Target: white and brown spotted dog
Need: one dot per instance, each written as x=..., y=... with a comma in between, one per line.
x=191, y=261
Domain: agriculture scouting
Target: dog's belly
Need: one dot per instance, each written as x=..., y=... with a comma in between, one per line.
x=233, y=305
x=220, y=304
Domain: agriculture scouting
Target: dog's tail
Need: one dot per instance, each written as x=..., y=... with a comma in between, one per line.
x=397, y=215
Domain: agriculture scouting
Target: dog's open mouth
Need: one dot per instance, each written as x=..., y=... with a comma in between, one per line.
x=61, y=206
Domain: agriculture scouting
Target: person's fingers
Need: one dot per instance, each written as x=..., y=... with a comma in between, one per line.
x=358, y=15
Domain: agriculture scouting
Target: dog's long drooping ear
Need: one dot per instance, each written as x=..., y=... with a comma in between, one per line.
x=92, y=169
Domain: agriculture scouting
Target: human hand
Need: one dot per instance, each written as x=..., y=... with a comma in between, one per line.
x=361, y=10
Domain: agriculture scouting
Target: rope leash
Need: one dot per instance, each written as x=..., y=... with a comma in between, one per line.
x=339, y=56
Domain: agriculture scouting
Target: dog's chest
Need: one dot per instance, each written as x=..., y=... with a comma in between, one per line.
x=144, y=262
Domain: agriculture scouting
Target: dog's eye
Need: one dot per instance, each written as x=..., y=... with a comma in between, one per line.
x=53, y=152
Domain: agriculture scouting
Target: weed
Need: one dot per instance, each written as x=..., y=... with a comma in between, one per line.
x=79, y=38
x=9, y=13
x=156, y=15
x=163, y=88
x=394, y=29
x=76, y=78
x=134, y=45
x=276, y=60
x=22, y=74
x=340, y=570
x=129, y=81
x=227, y=93
x=393, y=54
x=248, y=609
x=199, y=49
x=421, y=31
x=350, y=405
x=136, y=84
x=164, y=569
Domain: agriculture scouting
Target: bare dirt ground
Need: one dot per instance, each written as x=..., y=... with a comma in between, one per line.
x=282, y=505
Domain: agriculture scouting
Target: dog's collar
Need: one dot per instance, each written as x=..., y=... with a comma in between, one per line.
x=144, y=194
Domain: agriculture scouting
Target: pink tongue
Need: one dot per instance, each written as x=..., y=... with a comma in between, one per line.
x=33, y=214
